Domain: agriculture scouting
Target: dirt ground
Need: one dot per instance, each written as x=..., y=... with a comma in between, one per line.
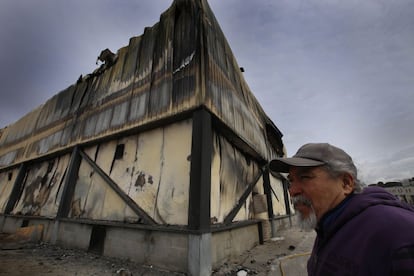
x=26, y=258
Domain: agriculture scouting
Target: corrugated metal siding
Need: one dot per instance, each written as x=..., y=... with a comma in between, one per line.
x=228, y=95
x=56, y=108
x=187, y=55
x=22, y=128
x=8, y=158
x=128, y=61
x=123, y=61
x=160, y=91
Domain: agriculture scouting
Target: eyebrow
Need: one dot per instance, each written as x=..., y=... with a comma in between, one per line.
x=301, y=171
x=305, y=170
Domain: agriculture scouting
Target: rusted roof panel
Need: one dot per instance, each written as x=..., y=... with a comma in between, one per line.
x=129, y=66
x=20, y=129
x=117, y=84
x=227, y=93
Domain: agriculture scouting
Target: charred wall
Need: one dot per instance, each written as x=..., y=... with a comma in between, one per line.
x=168, y=138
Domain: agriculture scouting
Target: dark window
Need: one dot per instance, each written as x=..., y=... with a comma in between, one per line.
x=119, y=152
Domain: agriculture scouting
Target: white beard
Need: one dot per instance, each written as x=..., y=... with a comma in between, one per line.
x=309, y=223
x=306, y=223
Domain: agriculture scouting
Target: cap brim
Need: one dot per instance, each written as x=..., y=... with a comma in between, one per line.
x=283, y=164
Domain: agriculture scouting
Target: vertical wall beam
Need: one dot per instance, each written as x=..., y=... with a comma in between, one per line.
x=200, y=172
x=286, y=197
x=17, y=189
x=268, y=192
x=70, y=183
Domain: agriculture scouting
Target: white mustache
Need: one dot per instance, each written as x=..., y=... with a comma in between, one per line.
x=300, y=199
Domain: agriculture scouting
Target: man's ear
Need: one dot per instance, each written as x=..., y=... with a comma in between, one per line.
x=348, y=183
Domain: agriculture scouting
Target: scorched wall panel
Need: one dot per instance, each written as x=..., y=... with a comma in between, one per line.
x=232, y=172
x=7, y=179
x=152, y=168
x=278, y=198
x=42, y=188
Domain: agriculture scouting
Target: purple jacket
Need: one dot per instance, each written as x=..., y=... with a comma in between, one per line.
x=371, y=233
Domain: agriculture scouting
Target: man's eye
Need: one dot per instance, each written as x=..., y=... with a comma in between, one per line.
x=305, y=177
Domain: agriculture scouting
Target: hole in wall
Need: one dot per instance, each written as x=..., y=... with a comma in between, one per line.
x=96, y=243
x=119, y=151
x=119, y=154
x=25, y=223
x=10, y=176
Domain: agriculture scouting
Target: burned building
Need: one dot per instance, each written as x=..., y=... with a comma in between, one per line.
x=160, y=156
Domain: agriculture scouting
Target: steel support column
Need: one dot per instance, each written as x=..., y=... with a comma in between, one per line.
x=268, y=192
x=200, y=172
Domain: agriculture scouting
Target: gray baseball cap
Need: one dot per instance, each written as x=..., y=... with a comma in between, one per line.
x=310, y=155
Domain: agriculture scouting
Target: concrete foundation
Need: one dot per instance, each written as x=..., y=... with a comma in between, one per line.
x=11, y=224
x=181, y=251
x=161, y=249
x=228, y=244
x=74, y=235
x=281, y=223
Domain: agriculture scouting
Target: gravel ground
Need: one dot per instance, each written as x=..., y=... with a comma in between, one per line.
x=22, y=258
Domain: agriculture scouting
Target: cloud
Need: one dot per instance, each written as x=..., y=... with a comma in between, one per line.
x=393, y=166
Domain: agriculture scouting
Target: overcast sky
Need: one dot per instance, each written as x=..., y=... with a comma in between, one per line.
x=324, y=70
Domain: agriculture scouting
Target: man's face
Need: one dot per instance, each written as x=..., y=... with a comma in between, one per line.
x=313, y=190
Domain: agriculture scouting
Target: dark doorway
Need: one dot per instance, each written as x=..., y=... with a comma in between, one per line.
x=96, y=243
x=25, y=223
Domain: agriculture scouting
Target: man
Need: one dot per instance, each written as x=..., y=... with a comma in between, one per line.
x=359, y=231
